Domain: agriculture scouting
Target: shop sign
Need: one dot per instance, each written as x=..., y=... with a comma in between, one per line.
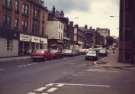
x=35, y=39
x=25, y=37
x=43, y=40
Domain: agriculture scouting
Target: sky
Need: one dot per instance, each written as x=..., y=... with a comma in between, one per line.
x=95, y=13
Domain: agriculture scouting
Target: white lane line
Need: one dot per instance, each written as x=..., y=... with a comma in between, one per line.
x=40, y=89
x=101, y=70
x=86, y=85
x=60, y=85
x=27, y=65
x=31, y=93
x=51, y=90
x=44, y=93
x=51, y=84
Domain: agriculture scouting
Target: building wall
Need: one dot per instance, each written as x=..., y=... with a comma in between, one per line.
x=54, y=30
x=3, y=48
x=127, y=32
x=1, y=11
x=43, y=22
x=7, y=30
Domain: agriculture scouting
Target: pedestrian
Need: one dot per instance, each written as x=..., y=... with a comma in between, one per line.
x=113, y=50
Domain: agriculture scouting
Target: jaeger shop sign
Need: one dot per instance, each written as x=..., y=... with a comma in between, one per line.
x=34, y=39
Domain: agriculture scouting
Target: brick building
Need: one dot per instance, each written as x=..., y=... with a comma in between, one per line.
x=23, y=26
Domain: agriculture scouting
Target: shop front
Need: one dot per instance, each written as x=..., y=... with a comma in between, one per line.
x=29, y=43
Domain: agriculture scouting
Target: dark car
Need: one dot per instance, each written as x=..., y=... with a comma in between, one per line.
x=103, y=52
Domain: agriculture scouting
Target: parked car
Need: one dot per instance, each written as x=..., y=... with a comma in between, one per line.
x=91, y=55
x=57, y=54
x=83, y=51
x=103, y=52
x=67, y=52
x=41, y=54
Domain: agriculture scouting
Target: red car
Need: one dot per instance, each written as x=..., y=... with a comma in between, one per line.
x=41, y=54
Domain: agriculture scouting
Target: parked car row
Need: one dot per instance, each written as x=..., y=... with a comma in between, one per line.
x=95, y=53
x=45, y=54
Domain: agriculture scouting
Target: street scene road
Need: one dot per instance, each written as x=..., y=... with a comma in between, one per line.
x=69, y=75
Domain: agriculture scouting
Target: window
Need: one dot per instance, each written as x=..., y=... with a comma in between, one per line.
x=16, y=23
x=8, y=3
x=7, y=20
x=35, y=27
x=9, y=44
x=25, y=9
x=25, y=25
x=36, y=13
x=17, y=5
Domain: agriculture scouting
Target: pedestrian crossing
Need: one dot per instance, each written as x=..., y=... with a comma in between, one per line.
x=49, y=88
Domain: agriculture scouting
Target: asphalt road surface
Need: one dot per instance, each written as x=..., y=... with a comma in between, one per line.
x=70, y=75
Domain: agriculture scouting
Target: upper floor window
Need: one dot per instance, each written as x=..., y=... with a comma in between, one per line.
x=7, y=20
x=17, y=5
x=25, y=25
x=25, y=9
x=16, y=23
x=8, y=3
x=36, y=12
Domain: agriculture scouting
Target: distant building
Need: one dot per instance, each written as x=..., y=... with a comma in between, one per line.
x=22, y=24
x=71, y=34
x=55, y=30
x=59, y=16
x=89, y=37
x=104, y=33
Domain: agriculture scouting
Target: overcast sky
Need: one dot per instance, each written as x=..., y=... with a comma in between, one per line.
x=95, y=13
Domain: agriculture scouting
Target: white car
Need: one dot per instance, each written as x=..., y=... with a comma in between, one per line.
x=67, y=52
x=91, y=55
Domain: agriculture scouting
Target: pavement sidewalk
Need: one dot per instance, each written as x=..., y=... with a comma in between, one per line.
x=112, y=61
x=7, y=59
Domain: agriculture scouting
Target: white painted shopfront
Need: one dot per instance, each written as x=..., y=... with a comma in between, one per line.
x=28, y=43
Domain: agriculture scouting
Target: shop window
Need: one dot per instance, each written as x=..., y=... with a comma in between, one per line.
x=9, y=44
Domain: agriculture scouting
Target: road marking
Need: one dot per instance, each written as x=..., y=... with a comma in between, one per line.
x=31, y=93
x=44, y=93
x=101, y=70
x=52, y=90
x=85, y=85
x=26, y=65
x=51, y=84
x=40, y=89
x=60, y=85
